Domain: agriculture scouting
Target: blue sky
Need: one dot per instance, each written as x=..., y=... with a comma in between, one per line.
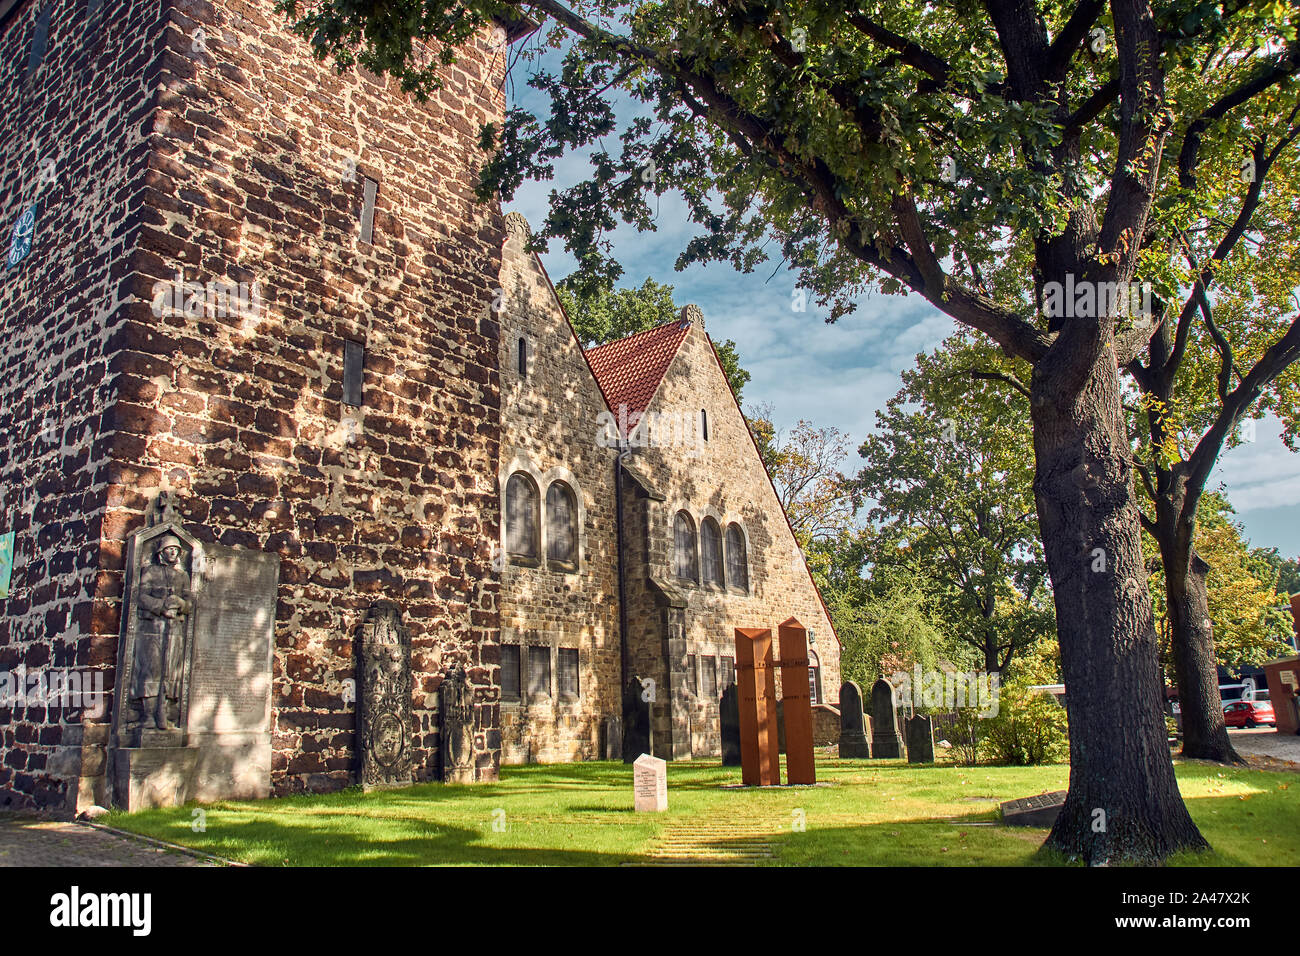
x=840, y=374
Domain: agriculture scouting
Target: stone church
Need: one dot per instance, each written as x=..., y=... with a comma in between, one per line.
x=279, y=396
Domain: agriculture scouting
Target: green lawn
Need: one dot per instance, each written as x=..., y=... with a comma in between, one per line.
x=870, y=812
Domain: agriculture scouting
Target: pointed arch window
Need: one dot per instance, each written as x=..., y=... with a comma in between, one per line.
x=686, y=562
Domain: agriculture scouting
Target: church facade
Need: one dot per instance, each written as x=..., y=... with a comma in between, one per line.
x=266, y=290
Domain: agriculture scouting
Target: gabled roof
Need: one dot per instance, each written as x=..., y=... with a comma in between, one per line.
x=629, y=370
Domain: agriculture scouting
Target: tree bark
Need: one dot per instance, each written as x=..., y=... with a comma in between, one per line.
x=1205, y=734
x=1123, y=803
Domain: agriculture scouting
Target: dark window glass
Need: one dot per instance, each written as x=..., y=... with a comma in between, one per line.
x=704, y=423
x=561, y=524
x=728, y=672
x=354, y=354
x=521, y=517
x=539, y=671
x=685, y=559
x=691, y=683
x=568, y=675
x=737, y=564
x=370, y=194
x=711, y=551
x=708, y=677
x=509, y=672
x=523, y=358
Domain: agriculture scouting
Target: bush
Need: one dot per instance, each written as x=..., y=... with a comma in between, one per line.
x=1029, y=728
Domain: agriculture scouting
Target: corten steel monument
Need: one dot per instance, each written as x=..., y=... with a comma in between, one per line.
x=796, y=703
x=760, y=760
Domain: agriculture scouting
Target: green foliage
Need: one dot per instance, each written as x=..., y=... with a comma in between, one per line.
x=950, y=472
x=602, y=314
x=1029, y=728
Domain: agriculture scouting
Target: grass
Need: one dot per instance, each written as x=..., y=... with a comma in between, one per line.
x=861, y=813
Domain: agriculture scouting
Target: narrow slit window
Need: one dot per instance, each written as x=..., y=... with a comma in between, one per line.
x=568, y=674
x=354, y=354
x=691, y=684
x=40, y=40
x=704, y=424
x=523, y=357
x=371, y=191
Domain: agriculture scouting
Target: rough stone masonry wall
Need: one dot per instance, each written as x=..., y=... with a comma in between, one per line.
x=239, y=414
x=72, y=141
x=550, y=422
x=724, y=479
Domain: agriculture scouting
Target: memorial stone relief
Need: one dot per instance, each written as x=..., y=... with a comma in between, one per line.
x=192, y=718
x=456, y=727
x=384, y=736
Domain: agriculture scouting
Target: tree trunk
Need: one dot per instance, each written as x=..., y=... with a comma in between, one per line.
x=1123, y=804
x=1205, y=735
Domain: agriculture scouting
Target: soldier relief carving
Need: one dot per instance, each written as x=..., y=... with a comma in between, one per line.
x=456, y=727
x=385, y=732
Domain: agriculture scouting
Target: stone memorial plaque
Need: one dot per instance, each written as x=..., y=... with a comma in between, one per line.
x=650, y=784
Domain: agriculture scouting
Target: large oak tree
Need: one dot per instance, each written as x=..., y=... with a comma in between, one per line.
x=983, y=155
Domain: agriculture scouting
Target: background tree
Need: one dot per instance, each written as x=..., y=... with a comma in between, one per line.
x=950, y=477
x=805, y=468
x=980, y=155
x=602, y=314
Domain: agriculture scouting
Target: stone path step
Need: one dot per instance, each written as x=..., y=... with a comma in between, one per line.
x=711, y=843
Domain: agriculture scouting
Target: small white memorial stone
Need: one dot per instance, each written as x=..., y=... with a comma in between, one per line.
x=650, y=783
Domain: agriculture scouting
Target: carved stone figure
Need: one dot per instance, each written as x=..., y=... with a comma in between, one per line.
x=456, y=727
x=164, y=603
x=385, y=698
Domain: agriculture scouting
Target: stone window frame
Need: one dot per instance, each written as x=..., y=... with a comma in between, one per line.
x=524, y=639
x=520, y=462
x=682, y=509
x=815, y=676
x=520, y=560
x=698, y=651
x=710, y=514
x=562, y=564
x=731, y=586
x=519, y=674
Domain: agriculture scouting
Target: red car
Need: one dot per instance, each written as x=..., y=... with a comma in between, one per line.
x=1248, y=713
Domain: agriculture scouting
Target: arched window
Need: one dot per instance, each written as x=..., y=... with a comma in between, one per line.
x=523, y=357
x=522, y=524
x=561, y=524
x=704, y=424
x=711, y=551
x=685, y=559
x=737, y=563
x=814, y=677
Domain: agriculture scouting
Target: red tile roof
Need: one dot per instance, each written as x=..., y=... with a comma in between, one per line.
x=629, y=370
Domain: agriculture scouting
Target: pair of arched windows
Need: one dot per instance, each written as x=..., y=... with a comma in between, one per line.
x=689, y=556
x=524, y=522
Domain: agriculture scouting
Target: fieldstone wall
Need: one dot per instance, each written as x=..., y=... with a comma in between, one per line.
x=252, y=176
x=550, y=427
x=74, y=143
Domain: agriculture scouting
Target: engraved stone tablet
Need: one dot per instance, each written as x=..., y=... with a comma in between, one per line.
x=650, y=784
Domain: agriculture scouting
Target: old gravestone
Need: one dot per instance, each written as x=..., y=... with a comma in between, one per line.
x=853, y=737
x=920, y=739
x=192, y=717
x=384, y=696
x=636, y=718
x=885, y=741
x=456, y=726
x=729, y=718
x=650, y=784
x=612, y=733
